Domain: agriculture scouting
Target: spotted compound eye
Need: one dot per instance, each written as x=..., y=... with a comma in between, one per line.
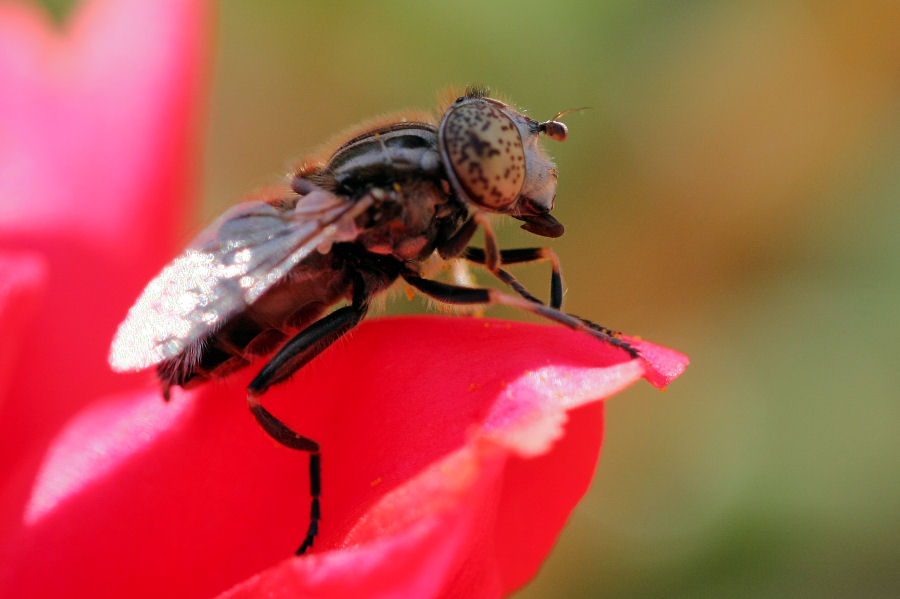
x=483, y=148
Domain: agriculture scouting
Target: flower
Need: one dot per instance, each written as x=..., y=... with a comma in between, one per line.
x=453, y=449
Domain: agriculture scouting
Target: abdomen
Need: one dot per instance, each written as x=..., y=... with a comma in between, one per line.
x=306, y=293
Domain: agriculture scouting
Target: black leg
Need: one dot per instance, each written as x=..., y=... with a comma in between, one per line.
x=315, y=488
x=493, y=259
x=455, y=245
x=291, y=357
x=454, y=294
x=520, y=256
x=309, y=343
x=525, y=255
x=597, y=327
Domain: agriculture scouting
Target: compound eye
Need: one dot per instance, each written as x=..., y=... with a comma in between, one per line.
x=483, y=148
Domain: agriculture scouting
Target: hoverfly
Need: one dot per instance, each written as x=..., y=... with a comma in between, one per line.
x=262, y=279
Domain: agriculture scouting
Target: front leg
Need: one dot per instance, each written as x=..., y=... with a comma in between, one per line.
x=518, y=256
x=456, y=294
x=454, y=246
x=493, y=258
x=521, y=256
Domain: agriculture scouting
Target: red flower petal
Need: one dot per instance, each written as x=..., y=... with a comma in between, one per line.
x=662, y=365
x=95, y=120
x=96, y=133
x=446, y=471
x=21, y=280
x=95, y=125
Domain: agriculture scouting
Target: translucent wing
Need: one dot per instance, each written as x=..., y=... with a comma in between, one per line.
x=226, y=268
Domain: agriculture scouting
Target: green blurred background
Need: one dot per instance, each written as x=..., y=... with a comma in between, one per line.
x=732, y=193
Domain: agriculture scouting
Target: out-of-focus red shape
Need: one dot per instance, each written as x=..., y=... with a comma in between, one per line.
x=21, y=281
x=97, y=136
x=97, y=123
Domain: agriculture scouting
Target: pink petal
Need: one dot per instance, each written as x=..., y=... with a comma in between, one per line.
x=662, y=365
x=95, y=443
x=97, y=129
x=21, y=281
x=95, y=118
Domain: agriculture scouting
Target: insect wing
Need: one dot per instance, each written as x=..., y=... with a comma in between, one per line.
x=227, y=267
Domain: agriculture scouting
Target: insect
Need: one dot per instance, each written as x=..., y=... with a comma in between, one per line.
x=264, y=278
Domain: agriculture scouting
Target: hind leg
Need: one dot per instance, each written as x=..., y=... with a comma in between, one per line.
x=291, y=357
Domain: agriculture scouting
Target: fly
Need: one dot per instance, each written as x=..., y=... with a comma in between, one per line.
x=263, y=279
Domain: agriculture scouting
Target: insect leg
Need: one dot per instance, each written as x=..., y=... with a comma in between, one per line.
x=493, y=258
x=455, y=245
x=520, y=256
x=309, y=343
x=298, y=351
x=455, y=294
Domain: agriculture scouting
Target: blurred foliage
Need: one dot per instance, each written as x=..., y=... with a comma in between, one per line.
x=733, y=193
x=58, y=9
